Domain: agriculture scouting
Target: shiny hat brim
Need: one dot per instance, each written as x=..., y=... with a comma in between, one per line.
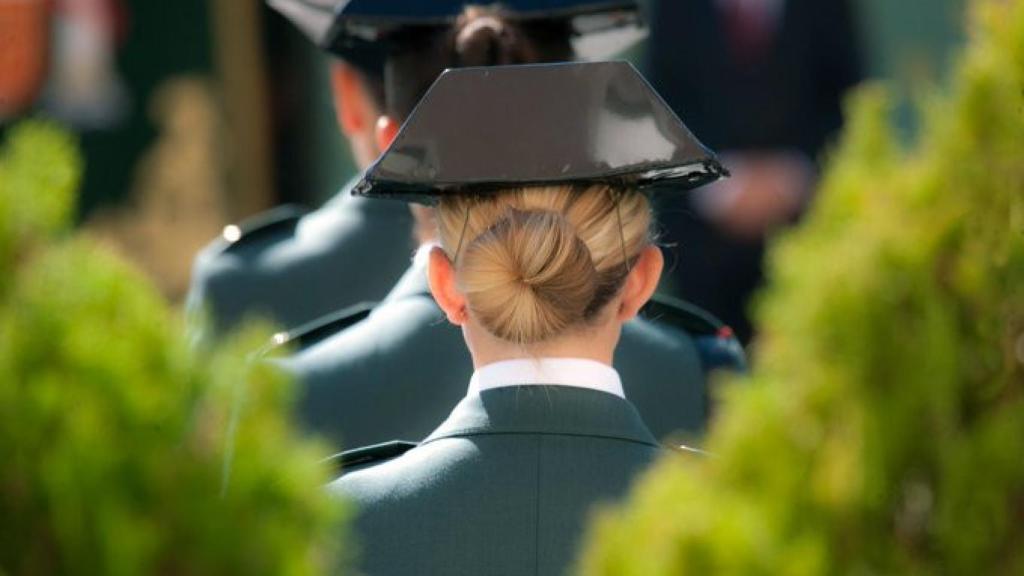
x=483, y=129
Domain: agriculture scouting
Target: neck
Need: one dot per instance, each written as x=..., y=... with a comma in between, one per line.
x=597, y=345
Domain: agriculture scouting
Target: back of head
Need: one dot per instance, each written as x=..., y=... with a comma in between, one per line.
x=536, y=263
x=482, y=36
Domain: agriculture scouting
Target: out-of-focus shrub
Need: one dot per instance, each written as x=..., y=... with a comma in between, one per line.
x=882, y=431
x=121, y=450
x=39, y=173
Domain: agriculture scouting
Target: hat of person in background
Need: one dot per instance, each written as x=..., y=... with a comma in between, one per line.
x=481, y=129
x=358, y=30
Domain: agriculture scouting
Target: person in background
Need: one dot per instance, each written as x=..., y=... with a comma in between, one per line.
x=541, y=279
x=762, y=82
x=290, y=266
x=25, y=30
x=293, y=267
x=353, y=366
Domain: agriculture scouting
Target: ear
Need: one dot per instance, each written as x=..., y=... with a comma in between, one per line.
x=641, y=283
x=351, y=104
x=387, y=129
x=441, y=275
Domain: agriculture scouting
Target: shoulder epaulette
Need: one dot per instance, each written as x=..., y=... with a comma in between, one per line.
x=688, y=450
x=317, y=330
x=689, y=317
x=274, y=220
x=716, y=343
x=356, y=458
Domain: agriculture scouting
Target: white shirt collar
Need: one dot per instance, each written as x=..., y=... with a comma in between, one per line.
x=575, y=372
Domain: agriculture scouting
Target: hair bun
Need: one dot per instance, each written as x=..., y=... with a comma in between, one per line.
x=483, y=37
x=529, y=276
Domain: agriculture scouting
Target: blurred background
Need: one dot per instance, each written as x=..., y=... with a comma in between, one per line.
x=194, y=114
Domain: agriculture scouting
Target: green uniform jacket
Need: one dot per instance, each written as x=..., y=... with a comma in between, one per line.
x=292, y=268
x=393, y=373
x=504, y=487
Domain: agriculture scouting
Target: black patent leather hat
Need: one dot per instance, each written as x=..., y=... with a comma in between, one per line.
x=358, y=30
x=482, y=129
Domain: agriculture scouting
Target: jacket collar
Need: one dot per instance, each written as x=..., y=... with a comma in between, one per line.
x=555, y=410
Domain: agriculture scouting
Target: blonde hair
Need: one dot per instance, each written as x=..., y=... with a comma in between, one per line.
x=534, y=262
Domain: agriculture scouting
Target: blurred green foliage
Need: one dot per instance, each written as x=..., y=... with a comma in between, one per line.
x=40, y=170
x=123, y=451
x=882, y=430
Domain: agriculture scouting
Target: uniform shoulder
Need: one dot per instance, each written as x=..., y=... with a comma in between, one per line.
x=324, y=327
x=684, y=315
x=366, y=456
x=715, y=341
x=279, y=220
x=685, y=450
